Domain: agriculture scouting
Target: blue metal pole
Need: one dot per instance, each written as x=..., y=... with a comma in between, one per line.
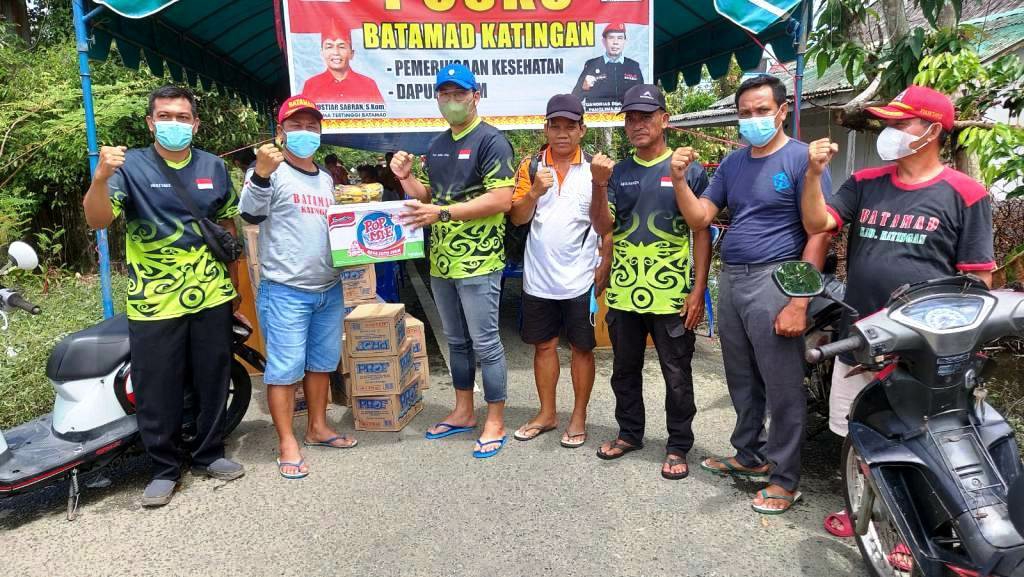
x=800, y=40
x=82, y=45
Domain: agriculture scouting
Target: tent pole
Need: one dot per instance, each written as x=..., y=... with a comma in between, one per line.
x=800, y=39
x=82, y=45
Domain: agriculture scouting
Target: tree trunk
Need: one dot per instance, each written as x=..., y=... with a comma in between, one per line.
x=947, y=18
x=16, y=12
x=895, y=14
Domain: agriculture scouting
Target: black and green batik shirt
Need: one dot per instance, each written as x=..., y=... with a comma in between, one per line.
x=651, y=250
x=171, y=270
x=462, y=167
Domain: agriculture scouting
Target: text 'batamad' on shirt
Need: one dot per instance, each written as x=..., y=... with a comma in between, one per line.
x=902, y=233
x=763, y=198
x=651, y=260
x=171, y=271
x=461, y=167
x=561, y=249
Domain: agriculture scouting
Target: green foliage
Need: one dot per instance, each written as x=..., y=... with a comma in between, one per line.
x=981, y=87
x=73, y=303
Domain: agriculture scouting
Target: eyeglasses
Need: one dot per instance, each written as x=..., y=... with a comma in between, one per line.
x=456, y=95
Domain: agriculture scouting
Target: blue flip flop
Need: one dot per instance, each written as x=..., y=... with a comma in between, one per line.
x=452, y=430
x=300, y=475
x=485, y=454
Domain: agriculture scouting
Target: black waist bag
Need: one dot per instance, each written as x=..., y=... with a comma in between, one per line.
x=223, y=245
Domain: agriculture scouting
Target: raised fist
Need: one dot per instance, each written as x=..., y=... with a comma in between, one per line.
x=681, y=160
x=543, y=180
x=401, y=164
x=601, y=169
x=819, y=154
x=268, y=158
x=589, y=81
x=111, y=158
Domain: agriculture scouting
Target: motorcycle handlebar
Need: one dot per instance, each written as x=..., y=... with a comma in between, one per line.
x=15, y=300
x=816, y=355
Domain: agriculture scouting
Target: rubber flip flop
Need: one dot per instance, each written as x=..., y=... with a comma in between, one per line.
x=767, y=511
x=570, y=444
x=481, y=454
x=300, y=475
x=330, y=443
x=901, y=559
x=451, y=430
x=839, y=524
x=528, y=437
x=732, y=470
x=622, y=446
x=673, y=461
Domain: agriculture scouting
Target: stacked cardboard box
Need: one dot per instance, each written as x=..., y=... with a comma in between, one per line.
x=417, y=335
x=385, y=387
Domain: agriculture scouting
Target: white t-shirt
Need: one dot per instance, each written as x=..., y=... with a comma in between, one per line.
x=562, y=248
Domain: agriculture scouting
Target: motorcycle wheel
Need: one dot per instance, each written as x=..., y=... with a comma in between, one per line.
x=239, y=395
x=882, y=536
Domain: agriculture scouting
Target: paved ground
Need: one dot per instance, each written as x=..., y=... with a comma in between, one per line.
x=401, y=505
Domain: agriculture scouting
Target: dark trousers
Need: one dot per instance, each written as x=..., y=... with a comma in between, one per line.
x=164, y=353
x=764, y=371
x=628, y=331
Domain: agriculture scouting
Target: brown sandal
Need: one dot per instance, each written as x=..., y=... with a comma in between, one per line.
x=674, y=461
x=623, y=448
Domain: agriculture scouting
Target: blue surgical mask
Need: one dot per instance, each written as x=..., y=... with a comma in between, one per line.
x=759, y=130
x=302, y=143
x=173, y=135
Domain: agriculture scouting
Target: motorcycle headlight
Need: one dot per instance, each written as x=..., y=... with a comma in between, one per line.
x=944, y=313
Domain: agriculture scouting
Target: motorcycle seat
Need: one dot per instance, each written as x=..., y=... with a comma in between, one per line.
x=92, y=352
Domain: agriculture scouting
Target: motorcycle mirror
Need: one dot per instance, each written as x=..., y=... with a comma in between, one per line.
x=1016, y=504
x=798, y=279
x=22, y=255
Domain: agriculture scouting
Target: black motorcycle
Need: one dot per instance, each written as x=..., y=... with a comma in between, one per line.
x=928, y=464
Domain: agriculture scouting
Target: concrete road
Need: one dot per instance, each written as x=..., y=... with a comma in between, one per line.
x=399, y=505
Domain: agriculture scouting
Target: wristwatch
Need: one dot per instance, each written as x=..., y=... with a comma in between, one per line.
x=444, y=215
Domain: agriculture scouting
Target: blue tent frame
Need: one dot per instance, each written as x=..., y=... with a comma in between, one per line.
x=254, y=88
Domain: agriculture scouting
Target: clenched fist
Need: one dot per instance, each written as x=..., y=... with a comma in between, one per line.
x=601, y=169
x=111, y=158
x=681, y=160
x=589, y=81
x=542, y=181
x=268, y=158
x=401, y=164
x=819, y=154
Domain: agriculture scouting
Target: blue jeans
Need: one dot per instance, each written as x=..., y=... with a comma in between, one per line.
x=302, y=330
x=469, y=315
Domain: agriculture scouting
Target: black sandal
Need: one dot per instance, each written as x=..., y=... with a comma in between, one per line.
x=675, y=461
x=622, y=446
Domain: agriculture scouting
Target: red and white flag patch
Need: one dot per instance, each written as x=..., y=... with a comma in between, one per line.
x=464, y=154
x=666, y=181
x=204, y=183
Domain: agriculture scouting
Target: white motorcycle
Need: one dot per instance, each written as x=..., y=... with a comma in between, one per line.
x=93, y=418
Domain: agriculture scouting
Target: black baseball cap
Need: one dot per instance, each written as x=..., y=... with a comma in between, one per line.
x=565, y=106
x=643, y=98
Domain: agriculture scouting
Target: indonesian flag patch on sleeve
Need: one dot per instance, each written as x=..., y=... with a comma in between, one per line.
x=204, y=183
x=666, y=181
x=464, y=154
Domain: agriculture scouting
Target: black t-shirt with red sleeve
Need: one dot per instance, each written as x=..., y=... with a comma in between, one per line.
x=902, y=233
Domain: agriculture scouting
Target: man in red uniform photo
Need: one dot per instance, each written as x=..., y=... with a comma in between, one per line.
x=339, y=83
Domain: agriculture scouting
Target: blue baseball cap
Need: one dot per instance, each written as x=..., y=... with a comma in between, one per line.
x=457, y=74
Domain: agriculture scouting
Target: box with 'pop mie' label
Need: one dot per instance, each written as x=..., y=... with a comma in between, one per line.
x=382, y=375
x=376, y=330
x=387, y=412
x=370, y=232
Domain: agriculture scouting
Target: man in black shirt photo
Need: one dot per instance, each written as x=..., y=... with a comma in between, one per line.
x=606, y=78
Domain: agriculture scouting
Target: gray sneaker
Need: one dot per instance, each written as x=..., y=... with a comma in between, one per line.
x=223, y=469
x=158, y=492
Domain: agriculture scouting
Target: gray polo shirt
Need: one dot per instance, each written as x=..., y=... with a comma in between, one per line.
x=291, y=210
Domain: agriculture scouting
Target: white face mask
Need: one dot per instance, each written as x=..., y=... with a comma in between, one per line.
x=894, y=144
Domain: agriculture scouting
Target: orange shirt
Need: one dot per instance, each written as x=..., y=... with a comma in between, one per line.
x=523, y=182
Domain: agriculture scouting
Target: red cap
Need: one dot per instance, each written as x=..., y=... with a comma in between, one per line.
x=335, y=31
x=614, y=27
x=295, y=104
x=918, y=102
